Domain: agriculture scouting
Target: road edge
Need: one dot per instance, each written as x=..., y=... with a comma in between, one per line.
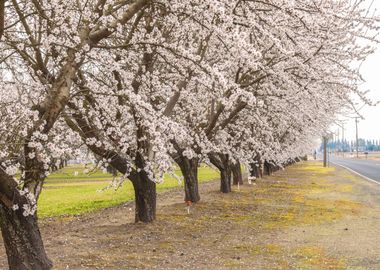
x=355, y=172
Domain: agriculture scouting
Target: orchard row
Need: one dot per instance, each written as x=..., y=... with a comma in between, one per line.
x=147, y=85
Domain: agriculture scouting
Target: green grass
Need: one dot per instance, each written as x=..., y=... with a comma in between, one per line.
x=67, y=194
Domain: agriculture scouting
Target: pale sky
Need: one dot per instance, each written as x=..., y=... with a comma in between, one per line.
x=369, y=128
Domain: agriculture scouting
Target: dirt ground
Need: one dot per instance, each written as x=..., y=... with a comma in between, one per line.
x=305, y=217
x=370, y=156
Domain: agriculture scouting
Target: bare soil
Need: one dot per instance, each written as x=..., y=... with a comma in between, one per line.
x=305, y=217
x=370, y=156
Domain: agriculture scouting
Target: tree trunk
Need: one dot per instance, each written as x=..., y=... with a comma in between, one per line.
x=225, y=179
x=255, y=170
x=189, y=169
x=145, y=197
x=267, y=168
x=275, y=168
x=225, y=174
x=237, y=174
x=22, y=241
x=145, y=189
x=222, y=162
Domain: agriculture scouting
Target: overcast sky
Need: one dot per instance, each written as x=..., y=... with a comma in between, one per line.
x=368, y=128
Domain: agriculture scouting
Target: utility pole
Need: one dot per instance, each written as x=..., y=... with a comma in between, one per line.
x=324, y=151
x=357, y=137
x=339, y=143
x=340, y=123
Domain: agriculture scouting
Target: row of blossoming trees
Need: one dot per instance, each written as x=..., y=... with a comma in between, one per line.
x=145, y=85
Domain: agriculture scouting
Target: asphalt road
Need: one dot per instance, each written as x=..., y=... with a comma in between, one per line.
x=368, y=168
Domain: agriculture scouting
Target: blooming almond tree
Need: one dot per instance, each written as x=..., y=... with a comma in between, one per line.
x=125, y=116
x=44, y=45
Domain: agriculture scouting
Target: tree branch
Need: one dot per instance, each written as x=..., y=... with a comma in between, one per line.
x=105, y=32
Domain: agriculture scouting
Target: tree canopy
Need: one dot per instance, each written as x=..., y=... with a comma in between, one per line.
x=147, y=84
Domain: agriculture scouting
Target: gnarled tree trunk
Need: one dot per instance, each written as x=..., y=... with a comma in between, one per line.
x=225, y=180
x=222, y=162
x=22, y=241
x=237, y=174
x=189, y=169
x=145, y=193
x=255, y=170
x=145, y=188
x=267, y=168
x=145, y=197
x=21, y=235
x=270, y=168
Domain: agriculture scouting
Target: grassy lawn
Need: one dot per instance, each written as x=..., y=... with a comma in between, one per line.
x=69, y=193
